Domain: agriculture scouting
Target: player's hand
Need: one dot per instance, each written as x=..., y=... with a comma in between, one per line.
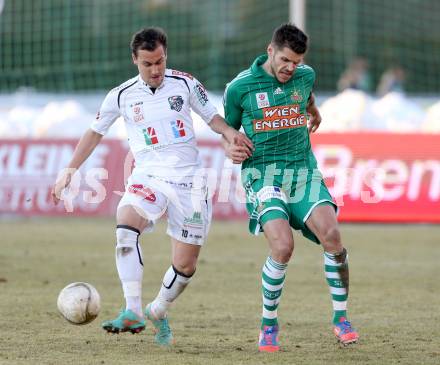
x=237, y=151
x=237, y=138
x=315, y=118
x=62, y=183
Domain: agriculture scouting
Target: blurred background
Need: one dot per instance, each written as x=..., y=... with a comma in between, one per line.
x=378, y=88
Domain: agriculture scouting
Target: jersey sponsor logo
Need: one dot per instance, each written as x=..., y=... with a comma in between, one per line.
x=181, y=73
x=142, y=191
x=278, y=91
x=178, y=128
x=138, y=115
x=271, y=192
x=195, y=221
x=283, y=123
x=201, y=93
x=180, y=184
x=262, y=100
x=176, y=102
x=280, y=117
x=150, y=136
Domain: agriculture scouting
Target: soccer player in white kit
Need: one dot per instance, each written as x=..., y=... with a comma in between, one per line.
x=156, y=107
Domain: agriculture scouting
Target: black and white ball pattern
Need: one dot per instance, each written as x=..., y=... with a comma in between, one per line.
x=79, y=303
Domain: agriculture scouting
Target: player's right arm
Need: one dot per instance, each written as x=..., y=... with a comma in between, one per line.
x=313, y=112
x=107, y=115
x=237, y=152
x=83, y=150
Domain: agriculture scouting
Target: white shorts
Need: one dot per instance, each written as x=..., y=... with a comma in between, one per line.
x=185, y=200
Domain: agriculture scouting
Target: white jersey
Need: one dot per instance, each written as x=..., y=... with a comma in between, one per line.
x=159, y=124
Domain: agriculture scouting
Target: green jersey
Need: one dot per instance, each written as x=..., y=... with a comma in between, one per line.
x=273, y=116
x=287, y=183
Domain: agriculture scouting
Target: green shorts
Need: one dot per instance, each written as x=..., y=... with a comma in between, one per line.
x=293, y=203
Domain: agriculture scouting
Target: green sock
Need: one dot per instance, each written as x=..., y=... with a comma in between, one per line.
x=273, y=275
x=336, y=273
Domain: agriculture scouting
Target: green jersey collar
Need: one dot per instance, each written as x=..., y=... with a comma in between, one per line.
x=258, y=70
x=257, y=67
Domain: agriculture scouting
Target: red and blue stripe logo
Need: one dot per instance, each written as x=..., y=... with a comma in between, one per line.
x=178, y=128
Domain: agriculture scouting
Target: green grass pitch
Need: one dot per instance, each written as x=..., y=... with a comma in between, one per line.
x=394, y=297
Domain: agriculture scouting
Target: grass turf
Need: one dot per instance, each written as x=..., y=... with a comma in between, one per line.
x=394, y=297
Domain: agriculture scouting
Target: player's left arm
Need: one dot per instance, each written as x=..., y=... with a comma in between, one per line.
x=313, y=112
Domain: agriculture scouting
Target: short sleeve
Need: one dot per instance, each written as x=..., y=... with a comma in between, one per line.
x=233, y=109
x=199, y=101
x=107, y=114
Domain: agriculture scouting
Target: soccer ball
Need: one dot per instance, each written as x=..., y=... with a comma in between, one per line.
x=79, y=303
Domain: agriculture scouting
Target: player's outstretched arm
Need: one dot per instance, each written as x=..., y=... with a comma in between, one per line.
x=84, y=148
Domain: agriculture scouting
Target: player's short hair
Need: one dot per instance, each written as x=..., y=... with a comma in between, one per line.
x=148, y=39
x=289, y=35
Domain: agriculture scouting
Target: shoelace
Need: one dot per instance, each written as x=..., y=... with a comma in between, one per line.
x=268, y=334
x=345, y=327
x=268, y=331
x=164, y=328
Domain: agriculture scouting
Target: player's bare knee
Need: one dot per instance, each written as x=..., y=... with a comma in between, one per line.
x=282, y=248
x=331, y=239
x=186, y=268
x=332, y=235
x=130, y=215
x=284, y=253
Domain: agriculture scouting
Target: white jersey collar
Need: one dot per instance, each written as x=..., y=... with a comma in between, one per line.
x=147, y=87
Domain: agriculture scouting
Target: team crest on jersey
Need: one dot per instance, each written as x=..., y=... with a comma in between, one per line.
x=262, y=100
x=296, y=96
x=178, y=128
x=176, y=102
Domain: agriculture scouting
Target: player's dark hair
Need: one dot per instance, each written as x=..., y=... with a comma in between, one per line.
x=148, y=39
x=289, y=35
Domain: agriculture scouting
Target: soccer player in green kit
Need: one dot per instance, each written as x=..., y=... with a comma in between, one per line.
x=274, y=103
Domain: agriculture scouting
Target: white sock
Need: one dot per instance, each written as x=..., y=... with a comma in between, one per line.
x=130, y=266
x=134, y=304
x=174, y=283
